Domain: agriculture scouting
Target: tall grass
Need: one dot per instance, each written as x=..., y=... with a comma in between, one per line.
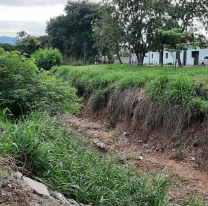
x=40, y=146
x=185, y=87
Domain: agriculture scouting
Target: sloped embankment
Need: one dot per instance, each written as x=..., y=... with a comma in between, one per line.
x=149, y=101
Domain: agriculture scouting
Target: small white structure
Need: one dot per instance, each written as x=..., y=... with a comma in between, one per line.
x=190, y=57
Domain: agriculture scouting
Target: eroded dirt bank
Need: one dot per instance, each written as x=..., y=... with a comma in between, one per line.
x=182, y=157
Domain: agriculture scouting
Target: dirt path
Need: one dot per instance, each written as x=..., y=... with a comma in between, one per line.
x=180, y=166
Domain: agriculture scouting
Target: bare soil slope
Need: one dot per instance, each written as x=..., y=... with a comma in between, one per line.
x=155, y=152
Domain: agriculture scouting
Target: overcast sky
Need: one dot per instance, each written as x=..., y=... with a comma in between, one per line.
x=28, y=15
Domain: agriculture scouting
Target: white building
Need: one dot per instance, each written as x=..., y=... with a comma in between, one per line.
x=191, y=57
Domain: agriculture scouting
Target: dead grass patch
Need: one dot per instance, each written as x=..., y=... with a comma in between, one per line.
x=122, y=103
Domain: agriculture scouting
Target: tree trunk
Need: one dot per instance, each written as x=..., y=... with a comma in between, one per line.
x=138, y=59
x=119, y=58
x=184, y=58
x=142, y=59
x=161, y=57
x=178, y=57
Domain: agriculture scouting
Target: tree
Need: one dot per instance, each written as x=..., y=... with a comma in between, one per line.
x=186, y=15
x=25, y=43
x=170, y=41
x=108, y=33
x=138, y=20
x=8, y=47
x=72, y=33
x=45, y=41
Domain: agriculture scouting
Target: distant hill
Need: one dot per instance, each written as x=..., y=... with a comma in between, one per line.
x=6, y=39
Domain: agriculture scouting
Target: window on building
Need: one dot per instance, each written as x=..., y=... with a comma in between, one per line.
x=166, y=55
x=152, y=56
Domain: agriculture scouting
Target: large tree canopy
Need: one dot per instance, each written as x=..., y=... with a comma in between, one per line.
x=72, y=33
x=139, y=20
x=147, y=24
x=108, y=33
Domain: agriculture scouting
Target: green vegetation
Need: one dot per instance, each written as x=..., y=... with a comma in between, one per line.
x=72, y=33
x=149, y=26
x=47, y=58
x=7, y=47
x=182, y=87
x=42, y=147
x=24, y=88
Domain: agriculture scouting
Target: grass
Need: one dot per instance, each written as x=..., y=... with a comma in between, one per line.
x=185, y=87
x=40, y=146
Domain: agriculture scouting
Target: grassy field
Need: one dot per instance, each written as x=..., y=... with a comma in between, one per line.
x=186, y=86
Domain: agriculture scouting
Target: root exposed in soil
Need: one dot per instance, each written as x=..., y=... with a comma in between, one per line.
x=138, y=110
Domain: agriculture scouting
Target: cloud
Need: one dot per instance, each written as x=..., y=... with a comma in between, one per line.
x=10, y=28
x=26, y=3
x=21, y=3
x=28, y=15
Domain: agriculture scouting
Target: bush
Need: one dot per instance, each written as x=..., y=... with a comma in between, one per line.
x=47, y=58
x=24, y=88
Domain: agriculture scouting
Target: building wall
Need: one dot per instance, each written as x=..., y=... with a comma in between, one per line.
x=123, y=59
x=168, y=57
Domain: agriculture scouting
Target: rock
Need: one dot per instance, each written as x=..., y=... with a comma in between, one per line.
x=51, y=198
x=121, y=158
x=101, y=145
x=95, y=140
x=35, y=204
x=141, y=158
x=18, y=175
x=193, y=158
x=73, y=203
x=38, y=187
x=124, y=134
x=60, y=197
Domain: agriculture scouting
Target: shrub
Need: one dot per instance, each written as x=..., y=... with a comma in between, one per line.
x=22, y=89
x=47, y=58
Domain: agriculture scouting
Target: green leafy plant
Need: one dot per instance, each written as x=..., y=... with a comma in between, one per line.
x=24, y=88
x=47, y=58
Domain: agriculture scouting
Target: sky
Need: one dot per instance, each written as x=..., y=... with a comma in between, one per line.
x=28, y=15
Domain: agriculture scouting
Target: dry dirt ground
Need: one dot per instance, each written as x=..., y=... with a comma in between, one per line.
x=180, y=165
x=14, y=191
